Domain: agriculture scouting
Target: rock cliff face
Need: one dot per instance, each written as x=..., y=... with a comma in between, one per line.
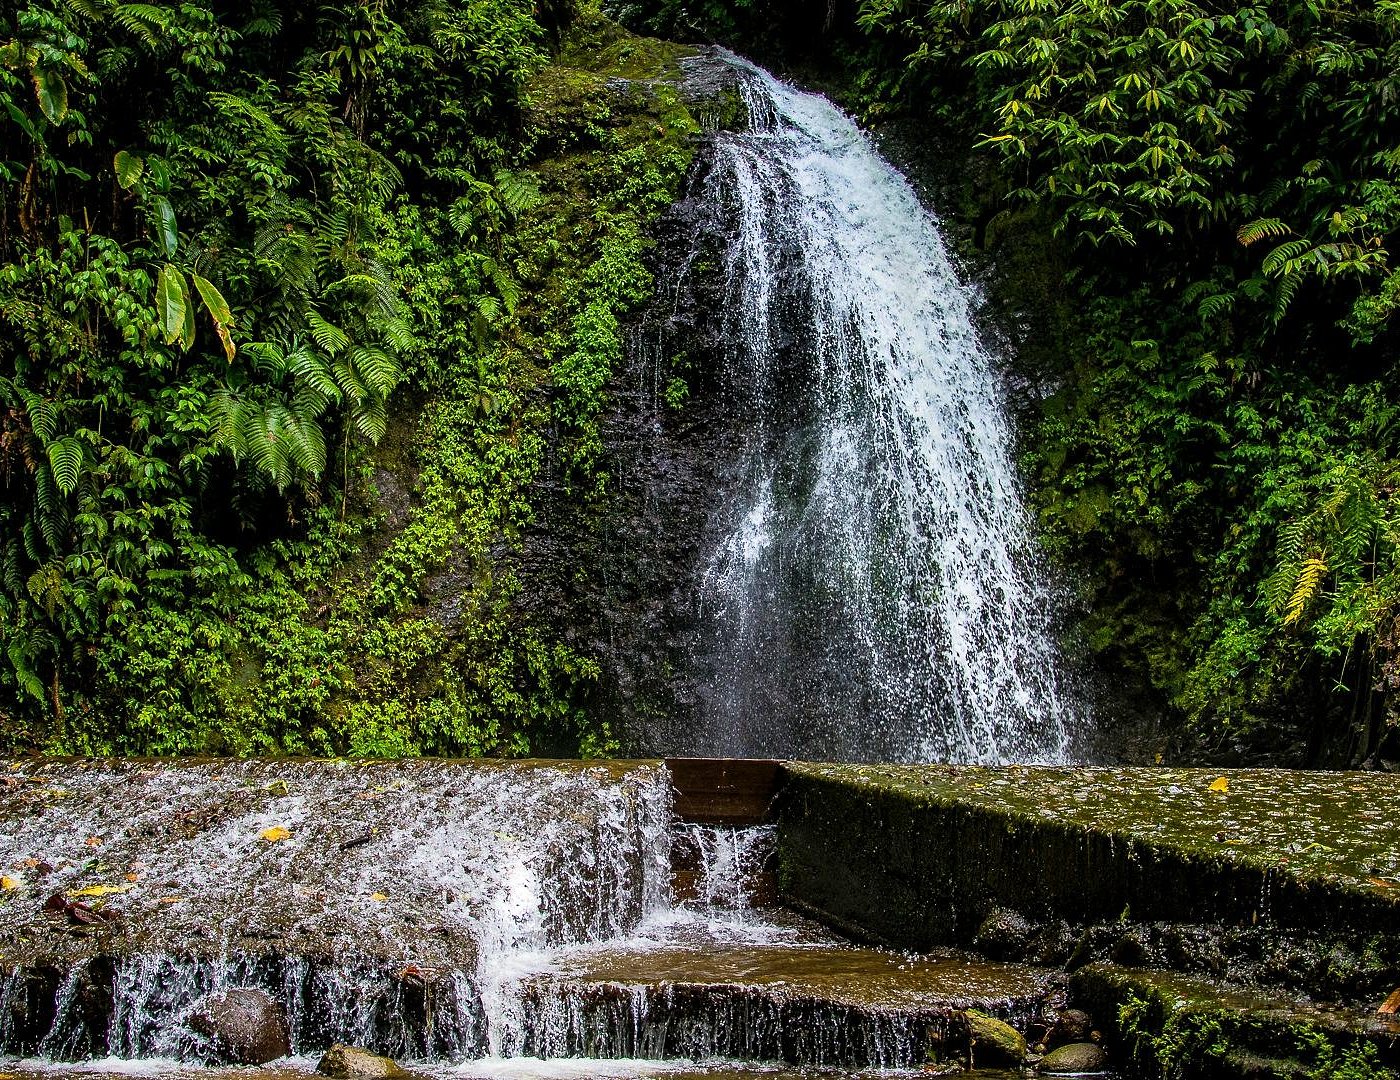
x=621, y=579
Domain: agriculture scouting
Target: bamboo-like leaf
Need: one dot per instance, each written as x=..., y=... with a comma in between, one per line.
x=218, y=310
x=172, y=302
x=129, y=168
x=52, y=93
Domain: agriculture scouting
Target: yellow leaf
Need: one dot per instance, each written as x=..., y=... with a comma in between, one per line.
x=378, y=897
x=1220, y=784
x=274, y=834
x=99, y=890
x=8, y=884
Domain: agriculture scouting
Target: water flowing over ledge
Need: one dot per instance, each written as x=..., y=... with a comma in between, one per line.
x=869, y=586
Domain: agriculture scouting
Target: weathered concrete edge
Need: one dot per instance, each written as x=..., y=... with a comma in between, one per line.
x=918, y=870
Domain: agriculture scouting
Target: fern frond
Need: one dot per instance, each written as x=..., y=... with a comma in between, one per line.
x=1261, y=229
x=371, y=419
x=378, y=372
x=1310, y=577
x=311, y=370
x=329, y=337
x=66, y=460
x=517, y=192
x=1276, y=261
x=1283, y=298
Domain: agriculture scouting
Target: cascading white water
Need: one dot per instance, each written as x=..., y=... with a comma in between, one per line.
x=730, y=860
x=873, y=591
x=394, y=911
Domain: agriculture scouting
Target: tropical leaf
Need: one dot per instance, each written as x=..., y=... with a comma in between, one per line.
x=52, y=93
x=172, y=302
x=218, y=310
x=167, y=231
x=129, y=168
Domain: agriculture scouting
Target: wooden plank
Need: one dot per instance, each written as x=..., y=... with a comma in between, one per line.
x=725, y=791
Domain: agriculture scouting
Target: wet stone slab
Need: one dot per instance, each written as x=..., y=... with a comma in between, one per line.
x=781, y=991
x=361, y=895
x=1274, y=876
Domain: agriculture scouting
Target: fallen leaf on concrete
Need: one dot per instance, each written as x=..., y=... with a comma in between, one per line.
x=100, y=890
x=274, y=834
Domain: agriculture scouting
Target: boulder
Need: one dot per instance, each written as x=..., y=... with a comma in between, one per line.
x=1003, y=934
x=246, y=1026
x=353, y=1063
x=994, y=1042
x=1073, y=1059
x=1071, y=1026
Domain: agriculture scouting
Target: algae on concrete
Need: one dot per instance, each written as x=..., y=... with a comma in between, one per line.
x=1286, y=877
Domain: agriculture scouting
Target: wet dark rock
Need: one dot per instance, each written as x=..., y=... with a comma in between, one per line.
x=1071, y=1026
x=1004, y=934
x=246, y=1026
x=1074, y=1059
x=1134, y=949
x=353, y=1063
x=993, y=1041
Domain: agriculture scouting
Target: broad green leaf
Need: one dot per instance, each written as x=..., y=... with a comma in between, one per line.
x=187, y=331
x=213, y=299
x=218, y=311
x=66, y=460
x=52, y=93
x=167, y=231
x=172, y=302
x=129, y=168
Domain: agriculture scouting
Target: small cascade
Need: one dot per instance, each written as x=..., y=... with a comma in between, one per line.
x=869, y=586
x=438, y=913
x=383, y=905
x=729, y=866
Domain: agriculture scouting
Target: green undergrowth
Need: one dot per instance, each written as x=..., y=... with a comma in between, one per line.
x=385, y=619
x=1174, y=1027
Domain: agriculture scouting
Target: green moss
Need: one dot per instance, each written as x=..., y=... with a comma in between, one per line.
x=1287, y=876
x=1257, y=822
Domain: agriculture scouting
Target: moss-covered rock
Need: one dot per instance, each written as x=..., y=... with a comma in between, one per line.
x=352, y=1063
x=992, y=1041
x=1074, y=1059
x=1174, y=1027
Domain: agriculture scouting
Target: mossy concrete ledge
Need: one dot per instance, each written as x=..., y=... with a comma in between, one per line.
x=1263, y=876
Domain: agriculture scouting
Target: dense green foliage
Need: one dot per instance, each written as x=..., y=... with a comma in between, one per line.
x=229, y=236
x=1226, y=181
x=1194, y=203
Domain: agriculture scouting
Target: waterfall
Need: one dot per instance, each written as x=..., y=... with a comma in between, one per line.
x=872, y=589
